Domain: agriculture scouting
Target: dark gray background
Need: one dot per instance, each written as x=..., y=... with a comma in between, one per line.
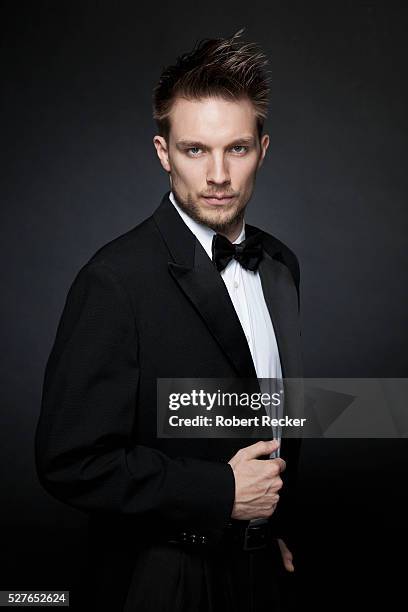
x=79, y=168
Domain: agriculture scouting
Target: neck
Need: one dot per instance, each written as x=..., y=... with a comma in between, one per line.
x=232, y=232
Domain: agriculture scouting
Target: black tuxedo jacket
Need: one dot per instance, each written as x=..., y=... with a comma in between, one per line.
x=151, y=304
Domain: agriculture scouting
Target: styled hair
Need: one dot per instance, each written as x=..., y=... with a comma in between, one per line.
x=226, y=67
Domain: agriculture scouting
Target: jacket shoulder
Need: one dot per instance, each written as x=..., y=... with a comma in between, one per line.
x=127, y=244
x=125, y=255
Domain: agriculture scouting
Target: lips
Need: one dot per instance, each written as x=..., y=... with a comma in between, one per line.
x=218, y=199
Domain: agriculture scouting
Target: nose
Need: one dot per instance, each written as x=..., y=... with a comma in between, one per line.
x=218, y=172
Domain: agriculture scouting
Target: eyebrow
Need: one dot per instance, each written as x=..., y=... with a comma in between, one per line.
x=245, y=140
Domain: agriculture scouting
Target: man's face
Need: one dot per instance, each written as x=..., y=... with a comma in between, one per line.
x=212, y=157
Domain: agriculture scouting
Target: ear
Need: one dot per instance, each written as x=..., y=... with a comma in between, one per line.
x=162, y=151
x=264, y=147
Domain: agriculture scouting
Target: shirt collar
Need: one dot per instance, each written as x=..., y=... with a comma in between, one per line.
x=203, y=233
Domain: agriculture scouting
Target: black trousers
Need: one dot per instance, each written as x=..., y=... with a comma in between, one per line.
x=171, y=578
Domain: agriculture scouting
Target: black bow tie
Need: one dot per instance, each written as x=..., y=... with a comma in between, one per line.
x=248, y=253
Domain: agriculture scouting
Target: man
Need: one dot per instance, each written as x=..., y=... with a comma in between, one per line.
x=173, y=522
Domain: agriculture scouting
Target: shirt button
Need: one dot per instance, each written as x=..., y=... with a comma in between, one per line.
x=236, y=284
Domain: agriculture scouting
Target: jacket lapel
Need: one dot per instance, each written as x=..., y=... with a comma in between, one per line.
x=202, y=284
x=281, y=298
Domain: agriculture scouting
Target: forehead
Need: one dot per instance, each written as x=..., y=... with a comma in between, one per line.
x=212, y=120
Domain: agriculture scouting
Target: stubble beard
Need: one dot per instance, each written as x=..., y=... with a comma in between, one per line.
x=221, y=221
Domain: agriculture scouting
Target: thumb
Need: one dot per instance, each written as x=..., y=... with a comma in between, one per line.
x=263, y=447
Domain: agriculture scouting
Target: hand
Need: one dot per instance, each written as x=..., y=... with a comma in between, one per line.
x=257, y=482
x=287, y=556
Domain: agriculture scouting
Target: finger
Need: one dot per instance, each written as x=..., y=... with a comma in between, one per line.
x=282, y=545
x=287, y=556
x=263, y=447
x=288, y=564
x=279, y=463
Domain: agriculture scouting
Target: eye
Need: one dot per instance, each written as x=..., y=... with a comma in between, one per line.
x=242, y=147
x=193, y=151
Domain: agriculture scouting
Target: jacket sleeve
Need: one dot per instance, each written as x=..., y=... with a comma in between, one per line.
x=83, y=446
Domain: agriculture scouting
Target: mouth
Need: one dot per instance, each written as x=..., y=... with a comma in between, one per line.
x=218, y=200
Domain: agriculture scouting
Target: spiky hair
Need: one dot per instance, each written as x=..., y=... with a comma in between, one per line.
x=225, y=67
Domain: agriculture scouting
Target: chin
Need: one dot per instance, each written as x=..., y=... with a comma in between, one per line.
x=220, y=221
x=219, y=215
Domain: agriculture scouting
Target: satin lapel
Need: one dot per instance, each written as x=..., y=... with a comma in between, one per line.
x=282, y=301
x=202, y=284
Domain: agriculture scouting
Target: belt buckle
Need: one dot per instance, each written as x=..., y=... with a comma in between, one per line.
x=254, y=537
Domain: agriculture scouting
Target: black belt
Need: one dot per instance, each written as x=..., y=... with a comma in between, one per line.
x=238, y=534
